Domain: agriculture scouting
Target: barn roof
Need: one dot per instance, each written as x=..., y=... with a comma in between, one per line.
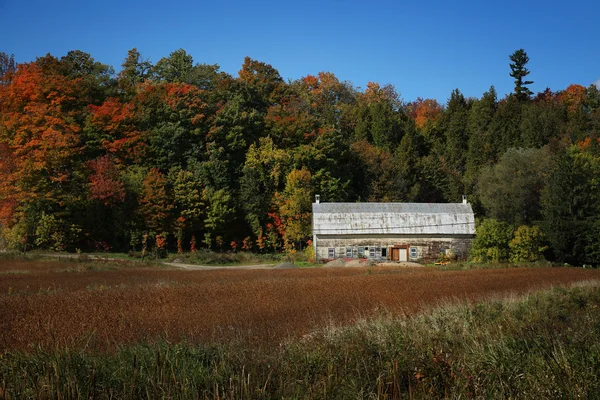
x=393, y=218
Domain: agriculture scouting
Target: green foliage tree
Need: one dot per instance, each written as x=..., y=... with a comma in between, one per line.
x=294, y=206
x=263, y=175
x=379, y=119
x=262, y=81
x=510, y=190
x=542, y=120
x=481, y=149
x=54, y=234
x=527, y=244
x=518, y=71
x=408, y=157
x=175, y=68
x=218, y=211
x=492, y=241
x=134, y=70
x=571, y=207
x=187, y=195
x=96, y=78
x=505, y=127
x=454, y=123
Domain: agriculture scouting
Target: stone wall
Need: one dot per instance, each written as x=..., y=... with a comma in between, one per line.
x=428, y=249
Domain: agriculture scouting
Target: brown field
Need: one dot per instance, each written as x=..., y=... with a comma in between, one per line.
x=51, y=304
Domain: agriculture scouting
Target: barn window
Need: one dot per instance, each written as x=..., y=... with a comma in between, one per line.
x=361, y=252
x=331, y=253
x=354, y=252
x=348, y=252
x=414, y=252
x=384, y=252
x=372, y=252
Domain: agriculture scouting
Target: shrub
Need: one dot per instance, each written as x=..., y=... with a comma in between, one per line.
x=53, y=234
x=527, y=244
x=492, y=241
x=309, y=253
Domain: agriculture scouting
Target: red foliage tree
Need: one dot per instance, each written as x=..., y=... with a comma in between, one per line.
x=115, y=123
x=105, y=184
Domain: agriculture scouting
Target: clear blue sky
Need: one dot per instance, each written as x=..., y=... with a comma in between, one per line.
x=423, y=48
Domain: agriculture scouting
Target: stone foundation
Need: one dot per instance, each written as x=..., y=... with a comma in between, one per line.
x=420, y=249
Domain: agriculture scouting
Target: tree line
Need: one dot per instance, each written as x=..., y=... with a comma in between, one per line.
x=181, y=155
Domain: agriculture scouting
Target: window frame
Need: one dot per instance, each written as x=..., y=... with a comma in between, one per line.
x=410, y=252
x=331, y=252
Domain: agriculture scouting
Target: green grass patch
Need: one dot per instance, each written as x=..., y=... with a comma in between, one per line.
x=469, y=265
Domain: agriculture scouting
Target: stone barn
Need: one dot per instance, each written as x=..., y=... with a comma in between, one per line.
x=392, y=231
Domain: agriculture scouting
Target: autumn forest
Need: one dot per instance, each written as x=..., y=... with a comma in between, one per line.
x=177, y=156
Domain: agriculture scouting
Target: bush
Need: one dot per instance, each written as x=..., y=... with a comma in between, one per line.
x=15, y=238
x=492, y=241
x=309, y=253
x=527, y=244
x=53, y=234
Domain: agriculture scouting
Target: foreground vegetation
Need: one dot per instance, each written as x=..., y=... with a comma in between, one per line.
x=542, y=345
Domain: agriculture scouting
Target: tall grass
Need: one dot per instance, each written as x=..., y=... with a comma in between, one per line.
x=543, y=345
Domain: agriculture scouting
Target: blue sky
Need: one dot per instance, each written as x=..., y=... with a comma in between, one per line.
x=423, y=48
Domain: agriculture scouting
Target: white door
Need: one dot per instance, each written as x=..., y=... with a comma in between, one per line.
x=403, y=254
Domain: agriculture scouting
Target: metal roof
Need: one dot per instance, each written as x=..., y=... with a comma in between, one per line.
x=393, y=218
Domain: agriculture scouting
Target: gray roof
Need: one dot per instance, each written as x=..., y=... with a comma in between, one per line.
x=393, y=218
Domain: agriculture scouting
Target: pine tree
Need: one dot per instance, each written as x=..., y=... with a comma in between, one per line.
x=518, y=71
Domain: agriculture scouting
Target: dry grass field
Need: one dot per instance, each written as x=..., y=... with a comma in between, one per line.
x=100, y=306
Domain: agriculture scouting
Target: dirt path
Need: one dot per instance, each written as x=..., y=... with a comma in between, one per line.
x=196, y=267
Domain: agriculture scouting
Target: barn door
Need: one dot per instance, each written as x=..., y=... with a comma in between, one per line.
x=403, y=254
x=395, y=254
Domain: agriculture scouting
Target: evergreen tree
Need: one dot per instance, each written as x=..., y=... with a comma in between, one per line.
x=571, y=207
x=518, y=71
x=7, y=64
x=135, y=70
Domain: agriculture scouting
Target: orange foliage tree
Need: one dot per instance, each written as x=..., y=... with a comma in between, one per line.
x=39, y=129
x=155, y=204
x=425, y=111
x=573, y=97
